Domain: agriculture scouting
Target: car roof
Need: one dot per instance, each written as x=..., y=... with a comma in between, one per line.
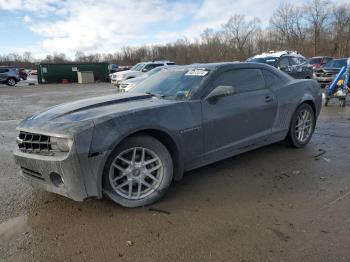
x=227, y=65
x=278, y=54
x=157, y=62
x=320, y=57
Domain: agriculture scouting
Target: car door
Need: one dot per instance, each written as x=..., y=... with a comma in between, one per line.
x=285, y=66
x=3, y=74
x=297, y=68
x=239, y=120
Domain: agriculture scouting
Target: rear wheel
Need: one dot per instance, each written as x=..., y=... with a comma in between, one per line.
x=11, y=82
x=138, y=172
x=302, y=126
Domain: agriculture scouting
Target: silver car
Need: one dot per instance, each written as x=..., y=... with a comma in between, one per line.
x=9, y=76
x=127, y=85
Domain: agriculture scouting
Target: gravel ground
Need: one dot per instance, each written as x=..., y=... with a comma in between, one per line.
x=272, y=204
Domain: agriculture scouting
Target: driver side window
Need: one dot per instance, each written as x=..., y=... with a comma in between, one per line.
x=242, y=80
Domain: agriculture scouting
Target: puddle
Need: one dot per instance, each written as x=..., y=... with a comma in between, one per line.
x=12, y=227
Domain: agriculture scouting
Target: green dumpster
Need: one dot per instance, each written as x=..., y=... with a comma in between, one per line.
x=58, y=72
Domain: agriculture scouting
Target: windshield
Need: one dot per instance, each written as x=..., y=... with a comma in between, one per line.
x=314, y=61
x=154, y=70
x=172, y=83
x=265, y=60
x=337, y=63
x=137, y=67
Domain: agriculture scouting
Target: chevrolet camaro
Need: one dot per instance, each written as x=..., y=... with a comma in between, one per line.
x=131, y=146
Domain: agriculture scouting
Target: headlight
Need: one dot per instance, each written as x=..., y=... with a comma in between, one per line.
x=61, y=144
x=129, y=86
x=120, y=77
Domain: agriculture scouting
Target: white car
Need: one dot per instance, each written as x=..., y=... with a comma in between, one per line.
x=126, y=85
x=136, y=71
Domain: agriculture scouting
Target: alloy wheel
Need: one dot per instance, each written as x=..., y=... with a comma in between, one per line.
x=303, y=125
x=11, y=82
x=136, y=173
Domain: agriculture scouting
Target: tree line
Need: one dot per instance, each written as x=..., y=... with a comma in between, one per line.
x=317, y=27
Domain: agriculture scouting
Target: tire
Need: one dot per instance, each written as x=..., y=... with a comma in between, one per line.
x=128, y=182
x=342, y=102
x=326, y=102
x=11, y=81
x=300, y=137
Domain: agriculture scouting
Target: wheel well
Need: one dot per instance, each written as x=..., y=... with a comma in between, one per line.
x=312, y=104
x=170, y=144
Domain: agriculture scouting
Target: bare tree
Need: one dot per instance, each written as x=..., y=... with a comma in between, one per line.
x=341, y=30
x=317, y=13
x=288, y=27
x=238, y=33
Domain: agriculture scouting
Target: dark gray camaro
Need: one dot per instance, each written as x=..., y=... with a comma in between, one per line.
x=131, y=146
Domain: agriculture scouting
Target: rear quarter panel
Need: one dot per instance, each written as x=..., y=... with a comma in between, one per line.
x=290, y=96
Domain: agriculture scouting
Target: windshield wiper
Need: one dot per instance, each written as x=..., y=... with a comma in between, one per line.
x=155, y=94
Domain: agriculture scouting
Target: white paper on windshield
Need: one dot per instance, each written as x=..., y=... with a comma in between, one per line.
x=196, y=72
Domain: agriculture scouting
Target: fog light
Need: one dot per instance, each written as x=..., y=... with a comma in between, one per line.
x=56, y=179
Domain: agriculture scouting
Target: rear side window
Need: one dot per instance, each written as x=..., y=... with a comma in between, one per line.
x=270, y=78
x=3, y=70
x=284, y=62
x=294, y=61
x=243, y=80
x=171, y=63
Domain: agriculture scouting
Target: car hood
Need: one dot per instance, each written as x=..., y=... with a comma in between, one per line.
x=69, y=117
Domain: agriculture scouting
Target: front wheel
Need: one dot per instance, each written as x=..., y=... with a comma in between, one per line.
x=11, y=82
x=302, y=126
x=342, y=102
x=138, y=172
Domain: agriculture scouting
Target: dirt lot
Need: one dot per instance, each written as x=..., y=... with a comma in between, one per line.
x=272, y=204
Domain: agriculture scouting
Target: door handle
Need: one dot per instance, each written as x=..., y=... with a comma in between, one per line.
x=268, y=99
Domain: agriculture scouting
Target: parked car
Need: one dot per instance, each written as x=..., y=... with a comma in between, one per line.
x=131, y=146
x=22, y=74
x=137, y=70
x=131, y=83
x=319, y=61
x=33, y=72
x=9, y=75
x=326, y=75
x=289, y=62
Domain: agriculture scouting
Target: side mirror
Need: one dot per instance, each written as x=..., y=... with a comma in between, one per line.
x=144, y=70
x=220, y=91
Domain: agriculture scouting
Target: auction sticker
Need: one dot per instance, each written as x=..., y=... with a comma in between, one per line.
x=197, y=72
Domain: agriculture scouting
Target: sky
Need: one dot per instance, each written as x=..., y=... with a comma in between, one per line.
x=67, y=26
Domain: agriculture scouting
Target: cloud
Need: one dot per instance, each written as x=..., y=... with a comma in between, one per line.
x=106, y=25
x=27, y=19
x=103, y=25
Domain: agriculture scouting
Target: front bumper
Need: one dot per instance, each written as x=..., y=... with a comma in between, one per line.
x=37, y=170
x=115, y=82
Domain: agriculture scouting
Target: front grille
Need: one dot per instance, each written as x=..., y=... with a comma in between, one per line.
x=29, y=142
x=32, y=173
x=323, y=74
